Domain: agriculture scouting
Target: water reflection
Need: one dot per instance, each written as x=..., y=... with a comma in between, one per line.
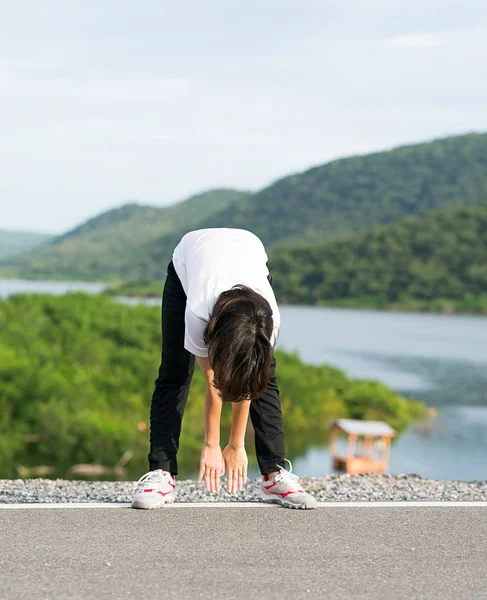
x=452, y=448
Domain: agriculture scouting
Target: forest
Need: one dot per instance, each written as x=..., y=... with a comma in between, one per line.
x=439, y=260
x=437, y=263
x=355, y=193
x=76, y=381
x=327, y=202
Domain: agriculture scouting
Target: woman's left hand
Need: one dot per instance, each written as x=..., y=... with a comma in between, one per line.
x=235, y=459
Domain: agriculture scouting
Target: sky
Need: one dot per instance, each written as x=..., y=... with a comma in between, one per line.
x=104, y=102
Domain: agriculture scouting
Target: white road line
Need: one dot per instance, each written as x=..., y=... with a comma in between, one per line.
x=385, y=504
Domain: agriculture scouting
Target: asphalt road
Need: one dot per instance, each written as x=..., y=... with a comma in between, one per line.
x=244, y=553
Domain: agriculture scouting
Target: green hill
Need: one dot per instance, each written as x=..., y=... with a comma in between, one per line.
x=353, y=194
x=441, y=257
x=109, y=245
x=15, y=242
x=349, y=195
x=323, y=203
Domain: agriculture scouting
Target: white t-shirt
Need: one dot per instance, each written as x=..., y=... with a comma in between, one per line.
x=211, y=261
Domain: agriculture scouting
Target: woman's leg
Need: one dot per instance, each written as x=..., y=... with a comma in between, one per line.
x=172, y=385
x=266, y=416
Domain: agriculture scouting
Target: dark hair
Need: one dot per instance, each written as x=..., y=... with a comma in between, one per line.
x=239, y=348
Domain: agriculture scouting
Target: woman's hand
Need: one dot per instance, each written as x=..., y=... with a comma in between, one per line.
x=212, y=467
x=236, y=462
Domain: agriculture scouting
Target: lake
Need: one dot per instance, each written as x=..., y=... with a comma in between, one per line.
x=57, y=288
x=441, y=359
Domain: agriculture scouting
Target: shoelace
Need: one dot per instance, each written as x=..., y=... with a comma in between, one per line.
x=290, y=479
x=155, y=477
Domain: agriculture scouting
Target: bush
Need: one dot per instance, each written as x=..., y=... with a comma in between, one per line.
x=76, y=380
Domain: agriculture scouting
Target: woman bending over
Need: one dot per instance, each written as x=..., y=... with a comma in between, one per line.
x=218, y=308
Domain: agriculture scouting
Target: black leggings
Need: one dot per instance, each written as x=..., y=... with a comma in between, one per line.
x=172, y=388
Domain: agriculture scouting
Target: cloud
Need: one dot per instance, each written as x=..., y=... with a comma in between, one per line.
x=417, y=40
x=79, y=127
x=155, y=101
x=26, y=80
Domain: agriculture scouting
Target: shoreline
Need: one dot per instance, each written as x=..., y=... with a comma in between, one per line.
x=441, y=306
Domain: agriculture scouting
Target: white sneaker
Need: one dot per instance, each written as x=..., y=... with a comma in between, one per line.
x=285, y=489
x=154, y=489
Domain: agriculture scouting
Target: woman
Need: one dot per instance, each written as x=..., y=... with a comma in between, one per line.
x=218, y=307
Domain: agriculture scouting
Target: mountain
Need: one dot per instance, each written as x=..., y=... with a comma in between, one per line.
x=349, y=195
x=324, y=203
x=109, y=245
x=15, y=242
x=441, y=256
x=353, y=194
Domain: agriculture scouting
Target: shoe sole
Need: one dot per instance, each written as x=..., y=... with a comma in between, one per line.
x=282, y=501
x=141, y=505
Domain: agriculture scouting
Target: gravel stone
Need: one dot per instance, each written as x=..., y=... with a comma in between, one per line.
x=339, y=488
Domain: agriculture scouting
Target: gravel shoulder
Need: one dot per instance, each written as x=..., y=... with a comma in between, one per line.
x=343, y=488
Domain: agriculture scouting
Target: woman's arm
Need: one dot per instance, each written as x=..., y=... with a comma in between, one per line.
x=213, y=409
x=213, y=405
x=240, y=416
x=234, y=454
x=211, y=464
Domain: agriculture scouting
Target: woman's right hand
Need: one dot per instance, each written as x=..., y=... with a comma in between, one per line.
x=212, y=467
